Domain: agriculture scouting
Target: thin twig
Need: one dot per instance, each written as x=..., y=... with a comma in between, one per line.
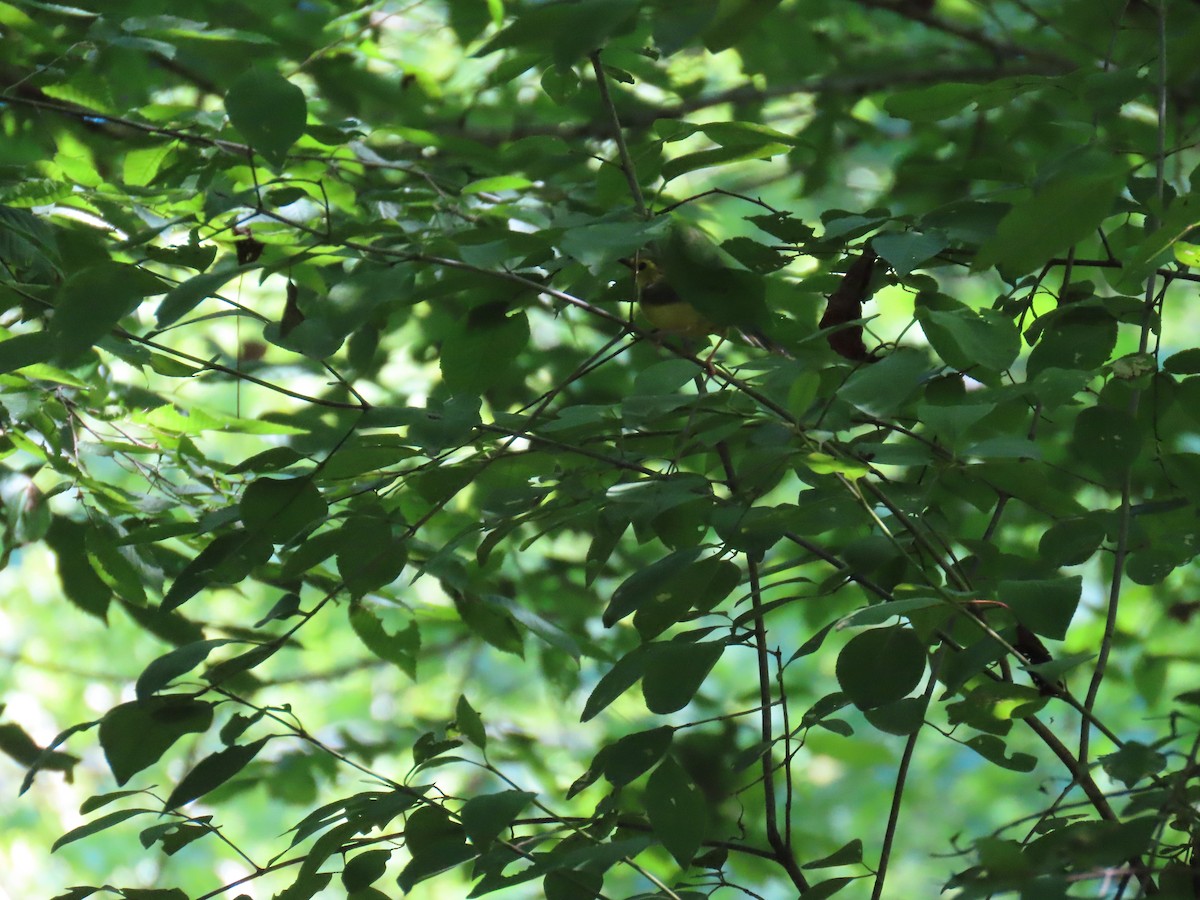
x=627, y=166
x=889, y=834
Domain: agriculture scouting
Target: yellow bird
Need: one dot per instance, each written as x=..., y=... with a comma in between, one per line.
x=663, y=307
x=671, y=314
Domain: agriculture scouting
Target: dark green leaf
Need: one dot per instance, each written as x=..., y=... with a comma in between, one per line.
x=276, y=509
x=25, y=350
x=213, y=771
x=621, y=677
x=879, y=390
x=1071, y=542
x=80, y=582
x=848, y=855
x=469, y=723
x=187, y=295
x=1107, y=439
x=880, y=666
x=486, y=816
x=435, y=842
x=675, y=671
x=400, y=648
x=628, y=758
x=479, y=355
x=992, y=749
x=965, y=338
x=364, y=869
x=269, y=111
x=97, y=825
x=1133, y=762
x=1064, y=210
x=170, y=666
x=902, y=717
x=135, y=735
x=1073, y=338
x=1045, y=606
x=91, y=304
x=370, y=555
x=678, y=811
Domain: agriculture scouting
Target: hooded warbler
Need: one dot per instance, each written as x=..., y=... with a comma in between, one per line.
x=669, y=313
x=663, y=307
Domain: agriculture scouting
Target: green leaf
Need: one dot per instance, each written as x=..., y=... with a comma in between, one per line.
x=880, y=666
x=1044, y=606
x=136, y=735
x=187, y=295
x=97, y=825
x=932, y=103
x=269, y=111
x=92, y=302
x=906, y=251
x=1079, y=337
x=213, y=771
x=965, y=338
x=879, y=390
x=1072, y=541
x=277, y=509
x=675, y=671
x=720, y=156
x=435, y=842
x=1107, y=439
x=1184, y=471
x=612, y=684
x=734, y=20
x=400, y=648
x=370, y=556
x=170, y=666
x=665, y=591
x=80, y=582
x=480, y=354
x=25, y=350
x=469, y=723
x=992, y=749
x=565, y=31
x=486, y=816
x=1133, y=762
x=1065, y=209
x=628, y=758
x=827, y=888
x=489, y=618
x=365, y=869
x=227, y=559
x=678, y=811
x=848, y=855
x=1185, y=362
x=903, y=717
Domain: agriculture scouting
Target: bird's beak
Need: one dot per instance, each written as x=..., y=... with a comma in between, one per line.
x=627, y=262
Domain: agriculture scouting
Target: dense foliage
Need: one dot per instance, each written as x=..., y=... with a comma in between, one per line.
x=396, y=553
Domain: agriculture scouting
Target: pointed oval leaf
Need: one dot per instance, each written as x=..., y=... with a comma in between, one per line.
x=485, y=816
x=269, y=111
x=97, y=825
x=678, y=811
x=135, y=735
x=279, y=508
x=880, y=666
x=674, y=672
x=213, y=771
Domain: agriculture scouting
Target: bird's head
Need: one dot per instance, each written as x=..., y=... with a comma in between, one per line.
x=645, y=271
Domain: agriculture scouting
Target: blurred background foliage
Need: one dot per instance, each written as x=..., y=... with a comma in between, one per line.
x=360, y=539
